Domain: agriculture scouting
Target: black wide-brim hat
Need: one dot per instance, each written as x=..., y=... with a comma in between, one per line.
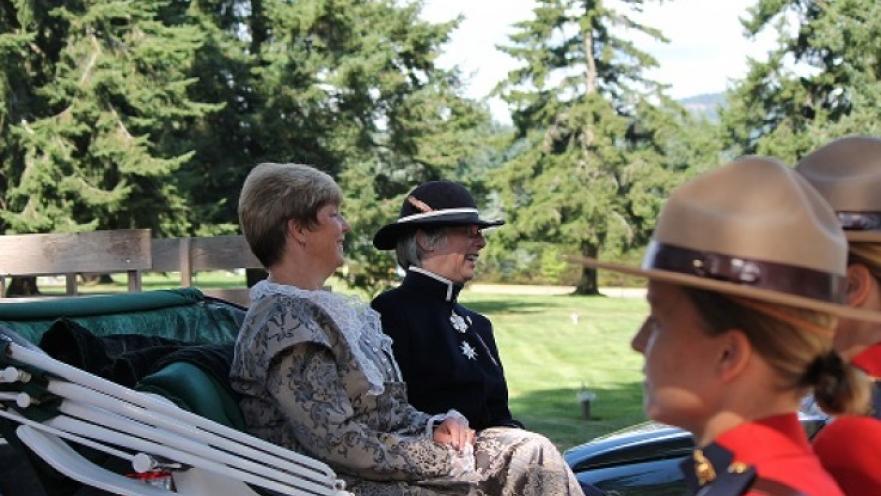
x=435, y=203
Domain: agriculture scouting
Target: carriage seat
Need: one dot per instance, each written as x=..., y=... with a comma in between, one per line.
x=192, y=389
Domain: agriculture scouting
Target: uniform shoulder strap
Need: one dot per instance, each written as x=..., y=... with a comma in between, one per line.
x=876, y=399
x=773, y=488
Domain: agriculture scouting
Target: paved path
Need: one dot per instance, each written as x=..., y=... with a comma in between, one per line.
x=533, y=289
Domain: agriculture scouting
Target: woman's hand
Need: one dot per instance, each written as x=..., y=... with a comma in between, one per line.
x=454, y=433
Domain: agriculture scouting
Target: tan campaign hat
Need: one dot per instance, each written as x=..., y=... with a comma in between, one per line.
x=752, y=228
x=847, y=172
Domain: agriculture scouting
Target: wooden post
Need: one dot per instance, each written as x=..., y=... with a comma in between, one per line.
x=70, y=283
x=186, y=262
x=134, y=281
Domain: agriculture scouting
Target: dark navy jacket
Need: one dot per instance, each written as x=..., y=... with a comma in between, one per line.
x=445, y=367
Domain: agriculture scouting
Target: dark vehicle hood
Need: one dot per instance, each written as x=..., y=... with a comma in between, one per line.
x=649, y=441
x=638, y=443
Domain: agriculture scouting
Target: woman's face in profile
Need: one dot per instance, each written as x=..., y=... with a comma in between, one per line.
x=679, y=359
x=456, y=258
x=325, y=240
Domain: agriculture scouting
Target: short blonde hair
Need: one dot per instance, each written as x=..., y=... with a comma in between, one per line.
x=275, y=193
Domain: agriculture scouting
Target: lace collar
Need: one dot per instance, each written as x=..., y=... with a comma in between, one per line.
x=355, y=320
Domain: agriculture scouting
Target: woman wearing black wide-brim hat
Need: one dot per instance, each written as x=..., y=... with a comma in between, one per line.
x=746, y=274
x=847, y=172
x=447, y=352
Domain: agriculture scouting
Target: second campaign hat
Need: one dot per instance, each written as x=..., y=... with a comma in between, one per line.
x=433, y=203
x=847, y=172
x=753, y=228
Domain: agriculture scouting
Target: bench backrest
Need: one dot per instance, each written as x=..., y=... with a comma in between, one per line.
x=124, y=250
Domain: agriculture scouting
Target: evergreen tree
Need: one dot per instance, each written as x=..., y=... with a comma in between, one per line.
x=820, y=82
x=349, y=86
x=595, y=131
x=95, y=115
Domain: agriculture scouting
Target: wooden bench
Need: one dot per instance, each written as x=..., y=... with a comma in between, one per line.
x=131, y=251
x=126, y=250
x=189, y=255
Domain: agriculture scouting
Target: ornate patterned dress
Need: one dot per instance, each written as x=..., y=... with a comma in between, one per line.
x=318, y=376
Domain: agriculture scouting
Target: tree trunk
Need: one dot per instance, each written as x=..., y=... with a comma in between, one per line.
x=259, y=30
x=591, y=84
x=588, y=284
x=590, y=70
x=92, y=278
x=23, y=286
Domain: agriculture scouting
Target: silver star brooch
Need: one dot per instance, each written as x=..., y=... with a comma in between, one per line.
x=458, y=322
x=469, y=351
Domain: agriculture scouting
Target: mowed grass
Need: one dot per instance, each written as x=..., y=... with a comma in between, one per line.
x=547, y=357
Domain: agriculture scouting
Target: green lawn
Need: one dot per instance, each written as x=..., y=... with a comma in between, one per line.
x=547, y=358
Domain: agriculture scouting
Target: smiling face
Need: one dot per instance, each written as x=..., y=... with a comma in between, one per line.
x=680, y=360
x=456, y=257
x=324, y=240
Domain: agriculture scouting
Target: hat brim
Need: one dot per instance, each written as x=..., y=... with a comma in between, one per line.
x=387, y=236
x=734, y=289
x=867, y=236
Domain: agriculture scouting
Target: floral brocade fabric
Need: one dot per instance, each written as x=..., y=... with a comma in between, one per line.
x=305, y=388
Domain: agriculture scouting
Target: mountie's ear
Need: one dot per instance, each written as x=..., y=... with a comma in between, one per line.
x=734, y=355
x=859, y=284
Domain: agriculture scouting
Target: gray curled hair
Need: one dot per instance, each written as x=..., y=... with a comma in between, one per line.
x=408, y=252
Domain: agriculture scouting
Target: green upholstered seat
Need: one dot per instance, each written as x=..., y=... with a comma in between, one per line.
x=192, y=389
x=180, y=314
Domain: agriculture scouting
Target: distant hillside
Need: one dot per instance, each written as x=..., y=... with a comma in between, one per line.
x=706, y=104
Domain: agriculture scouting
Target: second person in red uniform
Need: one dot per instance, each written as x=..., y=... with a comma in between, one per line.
x=847, y=172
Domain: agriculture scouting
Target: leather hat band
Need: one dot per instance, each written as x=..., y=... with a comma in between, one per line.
x=790, y=279
x=860, y=221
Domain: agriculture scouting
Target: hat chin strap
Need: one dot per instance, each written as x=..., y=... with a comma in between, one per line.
x=436, y=213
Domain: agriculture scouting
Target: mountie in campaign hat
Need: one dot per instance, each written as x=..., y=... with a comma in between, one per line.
x=435, y=203
x=752, y=228
x=847, y=172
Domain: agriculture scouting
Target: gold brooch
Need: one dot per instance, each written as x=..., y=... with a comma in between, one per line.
x=703, y=469
x=737, y=468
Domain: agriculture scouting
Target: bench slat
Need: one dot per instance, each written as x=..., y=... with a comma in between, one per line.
x=98, y=251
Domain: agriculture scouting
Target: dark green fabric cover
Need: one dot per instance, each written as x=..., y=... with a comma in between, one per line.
x=80, y=306
x=194, y=390
x=181, y=314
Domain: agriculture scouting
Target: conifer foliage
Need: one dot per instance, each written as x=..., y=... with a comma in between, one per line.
x=95, y=110
x=593, y=170
x=821, y=81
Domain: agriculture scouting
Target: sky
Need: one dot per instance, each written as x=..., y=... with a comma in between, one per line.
x=707, y=46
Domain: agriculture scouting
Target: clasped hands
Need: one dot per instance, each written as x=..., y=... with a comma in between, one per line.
x=452, y=432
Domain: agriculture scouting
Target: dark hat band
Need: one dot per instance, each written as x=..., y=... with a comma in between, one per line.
x=789, y=279
x=860, y=221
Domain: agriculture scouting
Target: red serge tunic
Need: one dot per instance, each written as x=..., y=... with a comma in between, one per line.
x=850, y=446
x=775, y=458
